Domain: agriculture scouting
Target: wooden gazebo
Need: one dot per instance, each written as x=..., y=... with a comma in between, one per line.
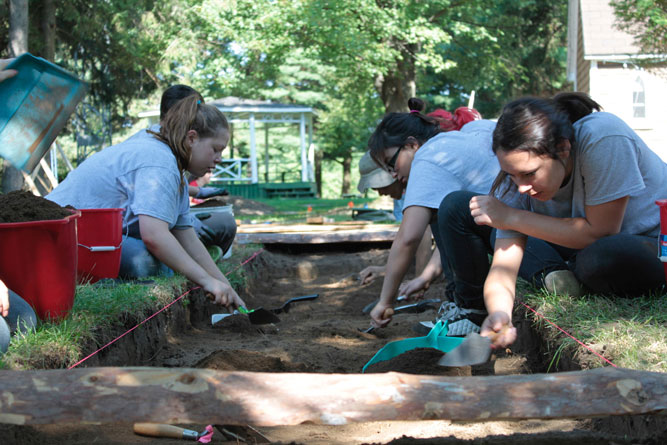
x=241, y=175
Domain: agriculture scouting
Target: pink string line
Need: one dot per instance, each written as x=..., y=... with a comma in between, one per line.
x=566, y=333
x=164, y=308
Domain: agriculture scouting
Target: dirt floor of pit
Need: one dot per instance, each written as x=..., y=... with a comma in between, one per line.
x=323, y=336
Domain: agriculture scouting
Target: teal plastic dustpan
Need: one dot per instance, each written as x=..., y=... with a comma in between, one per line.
x=436, y=339
x=36, y=104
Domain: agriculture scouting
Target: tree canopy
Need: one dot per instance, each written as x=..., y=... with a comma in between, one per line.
x=351, y=60
x=646, y=20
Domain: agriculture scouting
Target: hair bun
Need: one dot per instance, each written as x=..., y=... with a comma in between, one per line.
x=415, y=104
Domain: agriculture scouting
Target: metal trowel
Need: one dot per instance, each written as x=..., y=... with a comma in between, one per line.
x=474, y=350
x=256, y=316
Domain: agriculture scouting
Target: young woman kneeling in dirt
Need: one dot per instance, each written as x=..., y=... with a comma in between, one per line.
x=412, y=145
x=582, y=185
x=145, y=176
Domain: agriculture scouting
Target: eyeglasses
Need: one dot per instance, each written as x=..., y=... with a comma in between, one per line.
x=391, y=164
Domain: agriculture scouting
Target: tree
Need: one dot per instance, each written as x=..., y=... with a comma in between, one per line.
x=12, y=179
x=646, y=20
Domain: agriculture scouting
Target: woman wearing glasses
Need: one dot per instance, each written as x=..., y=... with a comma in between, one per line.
x=437, y=162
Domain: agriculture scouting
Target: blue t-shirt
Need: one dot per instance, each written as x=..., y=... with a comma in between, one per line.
x=610, y=161
x=452, y=161
x=139, y=175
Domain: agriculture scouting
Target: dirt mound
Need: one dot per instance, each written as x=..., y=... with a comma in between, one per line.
x=24, y=206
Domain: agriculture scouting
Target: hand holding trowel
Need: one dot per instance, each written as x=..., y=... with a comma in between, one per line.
x=474, y=350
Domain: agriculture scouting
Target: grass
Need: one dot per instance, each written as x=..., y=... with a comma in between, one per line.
x=630, y=332
x=99, y=308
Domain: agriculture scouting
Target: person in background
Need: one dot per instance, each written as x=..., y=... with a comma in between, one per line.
x=219, y=229
x=145, y=176
x=214, y=228
x=16, y=315
x=580, y=185
x=415, y=149
x=199, y=192
x=375, y=177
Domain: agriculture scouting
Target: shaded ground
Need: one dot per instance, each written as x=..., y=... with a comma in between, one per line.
x=323, y=336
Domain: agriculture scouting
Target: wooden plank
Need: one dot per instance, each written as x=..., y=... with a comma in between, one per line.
x=31, y=184
x=168, y=395
x=309, y=228
x=49, y=173
x=343, y=236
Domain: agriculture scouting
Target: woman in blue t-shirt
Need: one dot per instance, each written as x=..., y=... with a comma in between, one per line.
x=434, y=156
x=580, y=183
x=145, y=176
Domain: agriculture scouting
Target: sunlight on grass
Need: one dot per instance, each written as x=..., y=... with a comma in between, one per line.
x=630, y=332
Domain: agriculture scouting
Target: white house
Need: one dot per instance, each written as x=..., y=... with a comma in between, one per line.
x=604, y=62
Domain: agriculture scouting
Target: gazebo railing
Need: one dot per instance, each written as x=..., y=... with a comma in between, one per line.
x=232, y=170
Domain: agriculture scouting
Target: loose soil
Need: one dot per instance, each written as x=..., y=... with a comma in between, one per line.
x=323, y=336
x=21, y=206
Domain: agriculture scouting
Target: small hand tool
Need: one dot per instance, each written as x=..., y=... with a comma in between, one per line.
x=474, y=350
x=174, y=432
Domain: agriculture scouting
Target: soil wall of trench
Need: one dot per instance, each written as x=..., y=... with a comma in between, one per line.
x=152, y=344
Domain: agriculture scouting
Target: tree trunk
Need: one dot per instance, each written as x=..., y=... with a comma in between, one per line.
x=347, y=168
x=184, y=395
x=12, y=178
x=18, y=27
x=318, y=171
x=48, y=29
x=399, y=85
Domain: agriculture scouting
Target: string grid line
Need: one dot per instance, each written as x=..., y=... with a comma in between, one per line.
x=156, y=313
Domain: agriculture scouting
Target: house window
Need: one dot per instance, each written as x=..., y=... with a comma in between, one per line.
x=638, y=99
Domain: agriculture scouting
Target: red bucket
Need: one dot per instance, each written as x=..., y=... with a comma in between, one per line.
x=100, y=237
x=38, y=262
x=662, y=240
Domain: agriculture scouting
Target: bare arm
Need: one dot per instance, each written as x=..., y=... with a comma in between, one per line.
x=576, y=233
x=500, y=289
x=167, y=248
x=4, y=300
x=422, y=282
x=415, y=221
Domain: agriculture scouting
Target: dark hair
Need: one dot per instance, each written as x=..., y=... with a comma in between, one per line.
x=539, y=125
x=189, y=114
x=396, y=128
x=174, y=94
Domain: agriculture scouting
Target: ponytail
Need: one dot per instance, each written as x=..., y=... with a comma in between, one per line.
x=189, y=114
x=576, y=105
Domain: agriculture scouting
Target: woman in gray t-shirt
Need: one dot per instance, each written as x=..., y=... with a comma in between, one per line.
x=418, y=150
x=581, y=181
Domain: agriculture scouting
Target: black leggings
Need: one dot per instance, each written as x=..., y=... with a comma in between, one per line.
x=622, y=264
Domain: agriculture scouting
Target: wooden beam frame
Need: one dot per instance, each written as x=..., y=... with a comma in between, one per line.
x=168, y=395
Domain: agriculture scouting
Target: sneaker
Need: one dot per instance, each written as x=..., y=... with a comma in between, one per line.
x=462, y=321
x=563, y=282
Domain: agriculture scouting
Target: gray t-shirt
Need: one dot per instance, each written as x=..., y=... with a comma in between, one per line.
x=610, y=162
x=451, y=161
x=139, y=175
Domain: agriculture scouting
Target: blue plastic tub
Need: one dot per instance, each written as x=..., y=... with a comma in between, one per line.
x=37, y=102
